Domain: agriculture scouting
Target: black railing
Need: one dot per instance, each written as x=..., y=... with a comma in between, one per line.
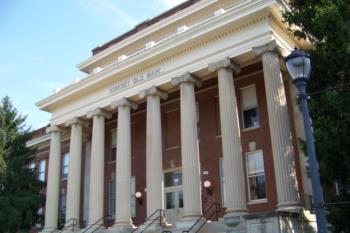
x=160, y=218
x=73, y=223
x=97, y=224
x=216, y=207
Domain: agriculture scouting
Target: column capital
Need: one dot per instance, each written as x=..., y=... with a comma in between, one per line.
x=269, y=47
x=77, y=121
x=188, y=78
x=54, y=128
x=99, y=112
x=124, y=102
x=224, y=63
x=153, y=91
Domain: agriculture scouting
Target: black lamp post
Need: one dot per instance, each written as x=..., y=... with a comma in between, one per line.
x=299, y=67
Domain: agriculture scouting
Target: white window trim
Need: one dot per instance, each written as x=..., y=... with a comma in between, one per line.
x=111, y=146
x=42, y=172
x=242, y=110
x=63, y=166
x=255, y=201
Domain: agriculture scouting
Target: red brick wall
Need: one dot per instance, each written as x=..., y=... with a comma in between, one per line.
x=209, y=141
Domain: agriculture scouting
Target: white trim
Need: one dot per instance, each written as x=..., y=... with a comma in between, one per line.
x=151, y=29
x=38, y=140
x=233, y=15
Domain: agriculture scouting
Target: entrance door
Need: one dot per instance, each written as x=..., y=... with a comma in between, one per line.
x=173, y=196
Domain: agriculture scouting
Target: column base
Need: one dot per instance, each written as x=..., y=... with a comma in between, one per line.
x=291, y=207
x=121, y=227
x=48, y=230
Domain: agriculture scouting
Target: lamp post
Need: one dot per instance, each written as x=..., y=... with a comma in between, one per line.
x=299, y=67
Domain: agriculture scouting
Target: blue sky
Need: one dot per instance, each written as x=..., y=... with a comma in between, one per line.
x=41, y=42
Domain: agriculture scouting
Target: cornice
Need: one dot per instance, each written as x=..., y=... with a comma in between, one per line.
x=37, y=141
x=151, y=29
x=236, y=14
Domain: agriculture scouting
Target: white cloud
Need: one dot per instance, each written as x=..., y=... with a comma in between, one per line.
x=171, y=3
x=108, y=7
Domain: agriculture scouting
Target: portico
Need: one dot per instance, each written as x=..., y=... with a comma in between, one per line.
x=165, y=102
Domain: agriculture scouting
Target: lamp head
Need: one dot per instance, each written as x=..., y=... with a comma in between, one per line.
x=298, y=64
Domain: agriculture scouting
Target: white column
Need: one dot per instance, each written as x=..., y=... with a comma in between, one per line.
x=97, y=164
x=53, y=181
x=123, y=165
x=281, y=136
x=74, y=170
x=154, y=157
x=189, y=146
x=231, y=138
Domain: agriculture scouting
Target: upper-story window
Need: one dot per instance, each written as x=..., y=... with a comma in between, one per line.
x=31, y=166
x=113, y=143
x=42, y=169
x=249, y=106
x=65, y=164
x=256, y=175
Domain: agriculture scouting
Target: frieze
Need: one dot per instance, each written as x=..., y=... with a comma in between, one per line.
x=132, y=81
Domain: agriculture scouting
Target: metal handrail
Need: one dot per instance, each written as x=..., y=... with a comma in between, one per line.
x=210, y=216
x=75, y=223
x=95, y=223
x=201, y=217
x=160, y=217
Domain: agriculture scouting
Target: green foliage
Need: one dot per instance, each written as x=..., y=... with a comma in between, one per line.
x=20, y=196
x=326, y=23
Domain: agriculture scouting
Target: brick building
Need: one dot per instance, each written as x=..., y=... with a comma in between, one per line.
x=190, y=113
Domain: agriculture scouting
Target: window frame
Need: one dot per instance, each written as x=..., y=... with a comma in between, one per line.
x=111, y=146
x=255, y=174
x=42, y=172
x=244, y=128
x=65, y=166
x=222, y=182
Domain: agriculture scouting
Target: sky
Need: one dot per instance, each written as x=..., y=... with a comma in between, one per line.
x=42, y=41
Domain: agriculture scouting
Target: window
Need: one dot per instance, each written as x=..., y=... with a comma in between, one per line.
x=256, y=175
x=133, y=197
x=173, y=190
x=65, y=166
x=62, y=213
x=31, y=166
x=222, y=182
x=342, y=188
x=111, y=196
x=173, y=178
x=42, y=169
x=113, y=145
x=249, y=105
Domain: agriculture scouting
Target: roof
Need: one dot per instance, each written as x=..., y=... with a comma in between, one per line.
x=144, y=25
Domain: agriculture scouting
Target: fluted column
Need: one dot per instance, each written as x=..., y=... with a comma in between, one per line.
x=281, y=137
x=230, y=137
x=189, y=146
x=123, y=165
x=74, y=169
x=53, y=181
x=97, y=164
x=154, y=157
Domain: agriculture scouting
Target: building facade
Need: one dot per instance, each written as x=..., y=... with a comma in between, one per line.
x=189, y=117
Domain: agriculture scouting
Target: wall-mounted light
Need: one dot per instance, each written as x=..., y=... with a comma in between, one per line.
x=207, y=186
x=139, y=198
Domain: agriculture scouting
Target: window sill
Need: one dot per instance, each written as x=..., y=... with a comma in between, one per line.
x=258, y=201
x=250, y=128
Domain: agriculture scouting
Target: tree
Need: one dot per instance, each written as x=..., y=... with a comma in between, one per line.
x=20, y=197
x=326, y=23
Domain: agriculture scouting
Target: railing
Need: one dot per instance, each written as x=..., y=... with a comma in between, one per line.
x=98, y=224
x=216, y=206
x=160, y=217
x=73, y=222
